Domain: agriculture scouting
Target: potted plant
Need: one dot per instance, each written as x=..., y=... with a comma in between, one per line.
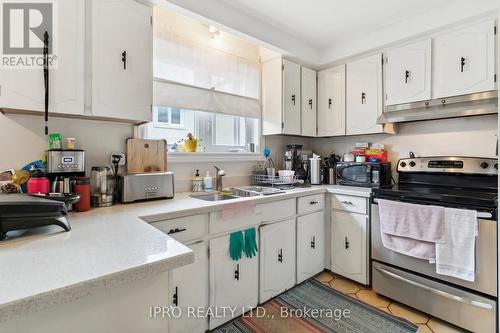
x=190, y=143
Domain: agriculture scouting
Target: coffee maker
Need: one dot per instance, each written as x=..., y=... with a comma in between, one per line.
x=292, y=160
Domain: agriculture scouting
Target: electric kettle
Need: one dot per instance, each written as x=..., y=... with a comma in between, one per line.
x=102, y=185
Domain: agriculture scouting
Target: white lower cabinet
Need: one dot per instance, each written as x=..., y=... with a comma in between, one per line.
x=349, y=245
x=277, y=258
x=233, y=284
x=310, y=245
x=190, y=289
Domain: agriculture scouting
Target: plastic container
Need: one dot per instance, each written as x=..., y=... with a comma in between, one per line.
x=82, y=188
x=70, y=143
x=38, y=185
x=207, y=182
x=55, y=141
x=197, y=182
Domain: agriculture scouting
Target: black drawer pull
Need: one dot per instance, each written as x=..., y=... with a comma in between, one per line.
x=237, y=272
x=313, y=243
x=311, y=103
x=346, y=243
x=407, y=76
x=314, y=202
x=124, y=59
x=293, y=99
x=174, y=231
x=462, y=64
x=329, y=103
x=280, y=255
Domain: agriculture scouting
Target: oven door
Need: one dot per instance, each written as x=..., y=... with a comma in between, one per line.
x=354, y=174
x=486, y=257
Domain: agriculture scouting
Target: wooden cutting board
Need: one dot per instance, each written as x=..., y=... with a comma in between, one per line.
x=146, y=155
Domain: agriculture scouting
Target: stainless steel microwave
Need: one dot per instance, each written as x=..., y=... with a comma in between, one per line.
x=364, y=174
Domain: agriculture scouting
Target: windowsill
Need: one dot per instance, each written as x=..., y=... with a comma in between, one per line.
x=176, y=157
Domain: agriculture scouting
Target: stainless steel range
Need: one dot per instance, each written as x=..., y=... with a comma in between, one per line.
x=458, y=182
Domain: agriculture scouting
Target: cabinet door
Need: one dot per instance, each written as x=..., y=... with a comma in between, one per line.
x=277, y=258
x=23, y=89
x=364, y=95
x=408, y=73
x=291, y=98
x=272, y=103
x=349, y=245
x=464, y=61
x=122, y=75
x=331, y=101
x=309, y=106
x=190, y=289
x=310, y=245
x=233, y=284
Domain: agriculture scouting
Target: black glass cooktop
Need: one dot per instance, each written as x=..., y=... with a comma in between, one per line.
x=440, y=195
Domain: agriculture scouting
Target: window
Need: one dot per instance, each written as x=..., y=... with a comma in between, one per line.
x=168, y=117
x=217, y=132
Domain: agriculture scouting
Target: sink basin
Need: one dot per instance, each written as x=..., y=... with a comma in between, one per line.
x=213, y=196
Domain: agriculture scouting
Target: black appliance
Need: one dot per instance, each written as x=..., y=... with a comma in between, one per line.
x=20, y=211
x=293, y=161
x=364, y=174
x=458, y=182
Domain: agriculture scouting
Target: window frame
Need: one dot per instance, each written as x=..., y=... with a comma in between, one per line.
x=169, y=124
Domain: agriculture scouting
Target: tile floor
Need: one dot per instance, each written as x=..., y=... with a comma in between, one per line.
x=427, y=323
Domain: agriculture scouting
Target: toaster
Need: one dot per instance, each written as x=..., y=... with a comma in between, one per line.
x=145, y=186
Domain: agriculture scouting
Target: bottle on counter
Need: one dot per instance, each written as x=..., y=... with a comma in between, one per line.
x=207, y=182
x=197, y=182
x=82, y=188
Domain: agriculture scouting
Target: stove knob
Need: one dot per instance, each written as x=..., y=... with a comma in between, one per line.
x=402, y=164
x=412, y=164
x=484, y=165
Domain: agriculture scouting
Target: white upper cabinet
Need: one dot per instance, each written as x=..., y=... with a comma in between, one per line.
x=464, y=60
x=408, y=73
x=122, y=74
x=364, y=95
x=291, y=98
x=23, y=89
x=331, y=101
x=287, y=89
x=309, y=103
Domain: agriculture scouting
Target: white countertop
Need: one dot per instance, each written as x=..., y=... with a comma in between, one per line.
x=106, y=246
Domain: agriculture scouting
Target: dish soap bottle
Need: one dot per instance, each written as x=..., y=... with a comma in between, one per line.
x=207, y=182
x=197, y=182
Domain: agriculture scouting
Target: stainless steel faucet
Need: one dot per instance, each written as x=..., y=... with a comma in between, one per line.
x=218, y=178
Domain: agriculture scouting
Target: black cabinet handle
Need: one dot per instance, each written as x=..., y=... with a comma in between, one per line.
x=363, y=98
x=311, y=104
x=280, y=255
x=237, y=272
x=314, y=202
x=176, y=297
x=462, y=64
x=293, y=99
x=124, y=59
x=407, y=76
x=313, y=243
x=346, y=244
x=329, y=103
x=174, y=231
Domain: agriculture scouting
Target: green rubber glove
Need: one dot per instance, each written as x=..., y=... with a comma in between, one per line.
x=250, y=243
x=236, y=245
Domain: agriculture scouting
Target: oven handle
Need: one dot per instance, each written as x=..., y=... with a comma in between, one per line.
x=436, y=291
x=480, y=215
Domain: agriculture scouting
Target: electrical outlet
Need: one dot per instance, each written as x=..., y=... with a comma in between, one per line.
x=123, y=160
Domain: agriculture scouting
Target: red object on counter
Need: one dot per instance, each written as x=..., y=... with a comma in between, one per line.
x=38, y=185
x=82, y=187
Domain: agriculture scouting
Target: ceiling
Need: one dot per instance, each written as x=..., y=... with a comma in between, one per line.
x=325, y=22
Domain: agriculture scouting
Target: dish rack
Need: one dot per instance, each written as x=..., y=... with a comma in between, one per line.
x=274, y=181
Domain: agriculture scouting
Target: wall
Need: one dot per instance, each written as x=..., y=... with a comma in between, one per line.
x=22, y=138
x=473, y=136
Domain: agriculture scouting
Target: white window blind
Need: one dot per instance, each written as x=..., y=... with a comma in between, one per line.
x=196, y=77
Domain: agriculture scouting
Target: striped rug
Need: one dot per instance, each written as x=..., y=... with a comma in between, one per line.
x=288, y=313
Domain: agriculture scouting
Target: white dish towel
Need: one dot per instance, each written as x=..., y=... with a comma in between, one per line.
x=455, y=254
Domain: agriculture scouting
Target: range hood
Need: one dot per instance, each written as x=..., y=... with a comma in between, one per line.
x=450, y=107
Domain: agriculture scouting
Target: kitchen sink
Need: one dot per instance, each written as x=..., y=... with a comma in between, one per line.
x=214, y=196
